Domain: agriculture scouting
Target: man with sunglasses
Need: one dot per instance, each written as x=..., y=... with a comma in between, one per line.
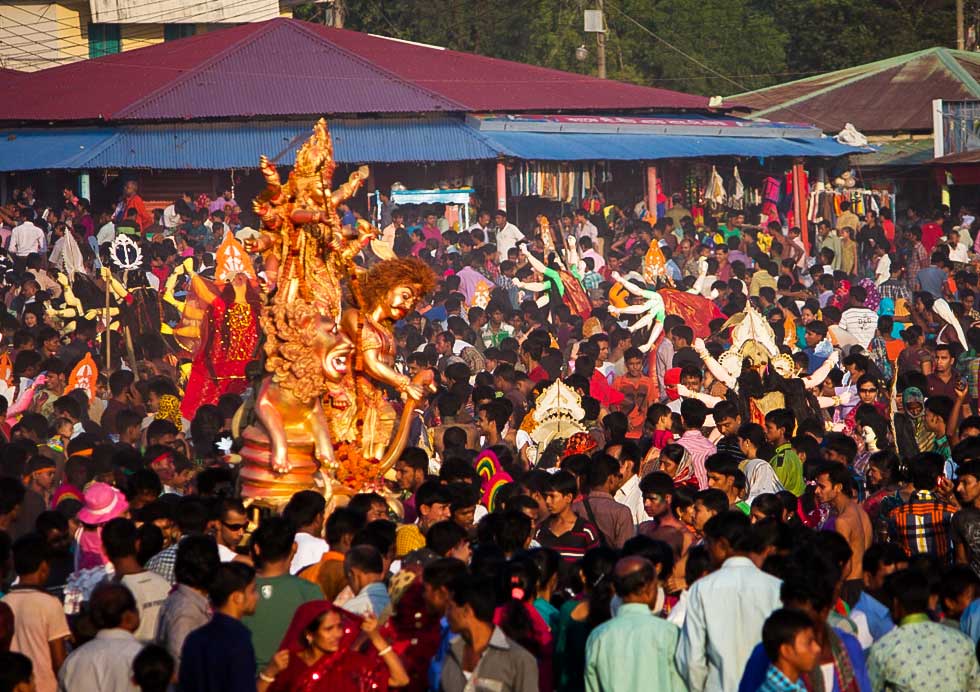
x=231, y=529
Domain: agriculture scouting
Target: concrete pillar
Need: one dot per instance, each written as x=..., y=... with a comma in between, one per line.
x=501, y=186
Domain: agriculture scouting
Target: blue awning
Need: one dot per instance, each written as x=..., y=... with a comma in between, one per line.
x=222, y=146
x=647, y=147
x=33, y=149
x=219, y=146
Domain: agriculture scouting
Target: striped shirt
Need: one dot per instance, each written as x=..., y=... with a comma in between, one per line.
x=573, y=544
x=700, y=448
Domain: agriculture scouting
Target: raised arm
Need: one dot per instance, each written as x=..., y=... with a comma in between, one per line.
x=572, y=258
x=117, y=288
x=536, y=286
x=820, y=374
x=537, y=264
x=714, y=367
x=707, y=399
x=628, y=310
x=832, y=401
x=632, y=287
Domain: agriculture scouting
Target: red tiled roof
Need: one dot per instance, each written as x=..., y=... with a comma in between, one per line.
x=286, y=67
x=891, y=95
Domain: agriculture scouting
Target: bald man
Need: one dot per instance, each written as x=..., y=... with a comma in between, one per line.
x=634, y=650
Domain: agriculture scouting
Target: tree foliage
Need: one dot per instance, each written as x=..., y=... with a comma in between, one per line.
x=702, y=46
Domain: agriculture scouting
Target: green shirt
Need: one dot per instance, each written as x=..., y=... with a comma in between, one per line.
x=788, y=468
x=923, y=655
x=727, y=232
x=279, y=597
x=550, y=273
x=633, y=651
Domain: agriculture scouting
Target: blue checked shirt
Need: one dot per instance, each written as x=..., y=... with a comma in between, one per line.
x=777, y=682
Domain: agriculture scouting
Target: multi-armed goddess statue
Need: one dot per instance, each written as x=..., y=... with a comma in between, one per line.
x=325, y=413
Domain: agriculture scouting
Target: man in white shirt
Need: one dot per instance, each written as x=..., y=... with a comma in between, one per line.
x=148, y=588
x=583, y=227
x=482, y=222
x=307, y=512
x=629, y=493
x=390, y=232
x=26, y=238
x=508, y=235
x=105, y=664
x=883, y=265
x=106, y=232
x=858, y=320
x=171, y=217
x=726, y=609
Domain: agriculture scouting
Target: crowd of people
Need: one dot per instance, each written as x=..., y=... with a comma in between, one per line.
x=777, y=490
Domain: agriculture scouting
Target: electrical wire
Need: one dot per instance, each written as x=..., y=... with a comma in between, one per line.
x=61, y=41
x=708, y=68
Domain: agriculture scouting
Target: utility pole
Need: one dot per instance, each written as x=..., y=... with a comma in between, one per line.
x=595, y=23
x=601, y=41
x=960, y=33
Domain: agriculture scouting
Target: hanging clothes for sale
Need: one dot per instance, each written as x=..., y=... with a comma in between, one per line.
x=736, y=198
x=825, y=203
x=716, y=188
x=770, y=198
x=559, y=182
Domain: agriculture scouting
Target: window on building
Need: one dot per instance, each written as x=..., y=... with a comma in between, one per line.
x=103, y=39
x=171, y=32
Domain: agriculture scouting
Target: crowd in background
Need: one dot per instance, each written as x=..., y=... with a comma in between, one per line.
x=814, y=526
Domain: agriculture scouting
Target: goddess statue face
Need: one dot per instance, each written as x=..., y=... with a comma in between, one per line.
x=400, y=300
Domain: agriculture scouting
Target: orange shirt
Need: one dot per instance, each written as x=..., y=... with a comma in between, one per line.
x=643, y=391
x=894, y=347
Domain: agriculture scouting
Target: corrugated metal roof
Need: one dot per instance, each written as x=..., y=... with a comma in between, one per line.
x=217, y=146
x=963, y=157
x=29, y=149
x=893, y=95
x=220, y=146
x=625, y=147
x=489, y=84
x=284, y=67
x=908, y=152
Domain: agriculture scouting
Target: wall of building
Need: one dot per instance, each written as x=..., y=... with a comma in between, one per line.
x=38, y=35
x=35, y=35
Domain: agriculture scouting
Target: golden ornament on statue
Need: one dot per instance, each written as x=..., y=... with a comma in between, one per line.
x=325, y=410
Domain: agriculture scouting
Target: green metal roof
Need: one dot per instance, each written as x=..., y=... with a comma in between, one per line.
x=906, y=152
x=890, y=95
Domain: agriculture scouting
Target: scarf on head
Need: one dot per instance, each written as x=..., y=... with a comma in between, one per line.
x=842, y=296
x=343, y=670
x=924, y=439
x=169, y=409
x=843, y=668
x=685, y=470
x=873, y=299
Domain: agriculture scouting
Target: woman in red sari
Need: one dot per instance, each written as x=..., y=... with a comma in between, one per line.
x=318, y=654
